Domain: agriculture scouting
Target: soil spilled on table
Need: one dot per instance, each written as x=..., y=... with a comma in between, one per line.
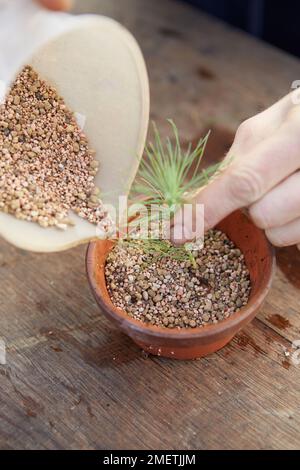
x=279, y=321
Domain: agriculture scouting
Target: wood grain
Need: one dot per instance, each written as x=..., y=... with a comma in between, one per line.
x=74, y=382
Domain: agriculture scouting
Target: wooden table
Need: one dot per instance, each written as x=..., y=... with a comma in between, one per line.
x=71, y=379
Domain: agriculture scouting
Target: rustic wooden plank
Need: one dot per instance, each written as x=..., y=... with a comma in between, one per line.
x=242, y=75
x=281, y=311
x=70, y=388
x=74, y=381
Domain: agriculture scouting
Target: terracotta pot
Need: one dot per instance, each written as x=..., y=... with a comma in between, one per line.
x=193, y=342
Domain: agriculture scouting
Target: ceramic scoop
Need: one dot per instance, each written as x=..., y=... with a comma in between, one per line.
x=97, y=67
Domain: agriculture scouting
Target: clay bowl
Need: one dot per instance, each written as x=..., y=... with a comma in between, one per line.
x=201, y=341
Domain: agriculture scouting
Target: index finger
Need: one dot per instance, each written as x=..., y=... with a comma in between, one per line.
x=250, y=176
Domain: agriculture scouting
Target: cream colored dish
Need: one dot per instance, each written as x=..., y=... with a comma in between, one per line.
x=98, y=69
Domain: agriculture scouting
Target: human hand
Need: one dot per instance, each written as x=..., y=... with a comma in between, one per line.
x=61, y=5
x=263, y=175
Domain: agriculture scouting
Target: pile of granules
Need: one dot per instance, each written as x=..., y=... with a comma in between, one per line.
x=46, y=165
x=167, y=292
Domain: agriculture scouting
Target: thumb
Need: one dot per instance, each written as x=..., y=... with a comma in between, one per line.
x=233, y=188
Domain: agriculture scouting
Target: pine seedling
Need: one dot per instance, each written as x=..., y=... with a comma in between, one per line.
x=168, y=177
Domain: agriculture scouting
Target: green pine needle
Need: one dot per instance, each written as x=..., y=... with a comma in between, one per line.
x=158, y=249
x=164, y=175
x=169, y=177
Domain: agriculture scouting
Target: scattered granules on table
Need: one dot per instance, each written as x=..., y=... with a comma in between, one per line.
x=167, y=292
x=46, y=166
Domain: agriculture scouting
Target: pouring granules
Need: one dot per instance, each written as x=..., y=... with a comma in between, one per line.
x=46, y=165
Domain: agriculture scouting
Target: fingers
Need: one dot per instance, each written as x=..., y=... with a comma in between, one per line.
x=285, y=235
x=271, y=119
x=59, y=5
x=279, y=212
x=188, y=224
x=279, y=206
x=258, y=128
x=251, y=176
x=266, y=151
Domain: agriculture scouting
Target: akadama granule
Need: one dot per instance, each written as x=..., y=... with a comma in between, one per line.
x=46, y=165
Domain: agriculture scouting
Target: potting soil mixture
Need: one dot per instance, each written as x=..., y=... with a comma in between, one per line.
x=171, y=293
x=46, y=165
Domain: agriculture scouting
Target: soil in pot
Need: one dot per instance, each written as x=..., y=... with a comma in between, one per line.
x=170, y=292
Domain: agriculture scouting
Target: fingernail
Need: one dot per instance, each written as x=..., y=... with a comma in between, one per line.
x=177, y=234
x=181, y=234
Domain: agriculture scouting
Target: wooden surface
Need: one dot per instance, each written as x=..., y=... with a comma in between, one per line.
x=72, y=380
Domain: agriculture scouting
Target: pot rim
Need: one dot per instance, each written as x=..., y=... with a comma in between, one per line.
x=137, y=326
